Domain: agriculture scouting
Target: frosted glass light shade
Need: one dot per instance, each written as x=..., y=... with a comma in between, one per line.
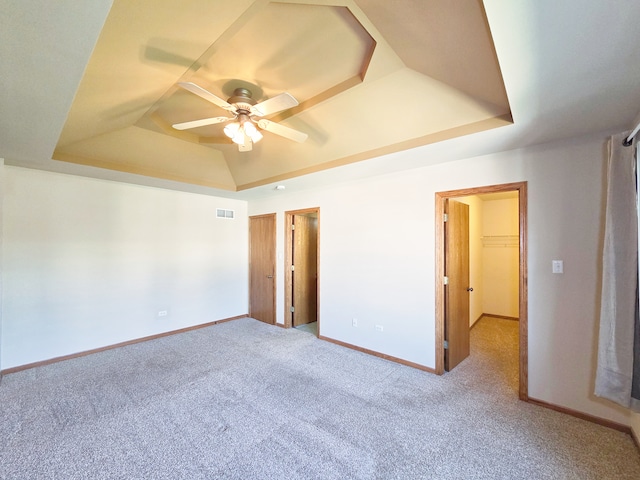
x=231, y=129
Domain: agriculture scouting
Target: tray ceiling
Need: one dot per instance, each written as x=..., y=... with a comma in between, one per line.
x=371, y=76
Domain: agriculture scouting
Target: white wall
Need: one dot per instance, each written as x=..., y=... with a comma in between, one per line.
x=89, y=263
x=501, y=272
x=377, y=260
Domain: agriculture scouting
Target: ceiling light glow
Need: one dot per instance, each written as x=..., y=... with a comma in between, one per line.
x=239, y=130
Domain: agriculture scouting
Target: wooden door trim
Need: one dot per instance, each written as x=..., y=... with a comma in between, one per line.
x=288, y=249
x=273, y=266
x=521, y=188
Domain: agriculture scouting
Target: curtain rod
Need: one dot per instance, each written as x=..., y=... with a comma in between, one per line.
x=629, y=140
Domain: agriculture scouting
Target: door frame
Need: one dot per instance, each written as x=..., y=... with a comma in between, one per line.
x=251, y=264
x=288, y=262
x=440, y=197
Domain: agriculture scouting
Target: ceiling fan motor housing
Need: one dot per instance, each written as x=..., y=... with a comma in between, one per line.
x=246, y=115
x=242, y=99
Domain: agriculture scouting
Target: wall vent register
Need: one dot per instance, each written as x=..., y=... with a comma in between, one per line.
x=222, y=213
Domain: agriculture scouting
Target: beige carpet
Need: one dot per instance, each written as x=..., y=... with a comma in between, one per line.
x=494, y=350
x=246, y=400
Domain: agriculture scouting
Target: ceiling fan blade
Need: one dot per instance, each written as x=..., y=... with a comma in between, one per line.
x=283, y=131
x=208, y=96
x=276, y=104
x=200, y=123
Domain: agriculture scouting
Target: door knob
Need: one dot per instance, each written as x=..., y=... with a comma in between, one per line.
x=269, y=276
x=470, y=289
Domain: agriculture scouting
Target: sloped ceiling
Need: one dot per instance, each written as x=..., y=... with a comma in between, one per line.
x=569, y=68
x=371, y=76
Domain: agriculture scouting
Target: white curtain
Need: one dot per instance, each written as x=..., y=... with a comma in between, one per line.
x=618, y=331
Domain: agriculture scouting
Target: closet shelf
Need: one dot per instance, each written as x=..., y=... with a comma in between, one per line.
x=500, y=240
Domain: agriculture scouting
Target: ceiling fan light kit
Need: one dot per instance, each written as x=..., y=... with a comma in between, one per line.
x=247, y=112
x=243, y=128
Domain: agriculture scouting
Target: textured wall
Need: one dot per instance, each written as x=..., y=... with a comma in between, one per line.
x=89, y=263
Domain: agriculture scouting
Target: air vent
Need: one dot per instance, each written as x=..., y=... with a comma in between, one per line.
x=222, y=213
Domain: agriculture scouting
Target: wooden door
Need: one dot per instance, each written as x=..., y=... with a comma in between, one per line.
x=305, y=273
x=262, y=267
x=456, y=328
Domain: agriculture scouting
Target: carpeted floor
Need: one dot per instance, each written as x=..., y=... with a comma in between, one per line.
x=245, y=400
x=311, y=328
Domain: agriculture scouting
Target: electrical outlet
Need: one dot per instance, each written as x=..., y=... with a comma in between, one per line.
x=354, y=322
x=379, y=328
x=162, y=313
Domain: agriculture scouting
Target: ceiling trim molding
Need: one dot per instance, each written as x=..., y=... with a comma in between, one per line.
x=487, y=124
x=137, y=170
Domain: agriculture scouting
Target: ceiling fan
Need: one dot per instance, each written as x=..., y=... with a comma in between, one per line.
x=246, y=122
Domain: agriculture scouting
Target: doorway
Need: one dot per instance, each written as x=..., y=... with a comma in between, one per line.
x=262, y=267
x=442, y=199
x=301, y=269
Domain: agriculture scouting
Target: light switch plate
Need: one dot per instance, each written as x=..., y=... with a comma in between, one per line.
x=557, y=266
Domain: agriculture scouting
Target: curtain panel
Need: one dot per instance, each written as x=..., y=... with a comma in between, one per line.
x=618, y=370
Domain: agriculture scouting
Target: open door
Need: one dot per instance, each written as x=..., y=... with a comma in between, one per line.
x=301, y=268
x=262, y=267
x=305, y=272
x=456, y=329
